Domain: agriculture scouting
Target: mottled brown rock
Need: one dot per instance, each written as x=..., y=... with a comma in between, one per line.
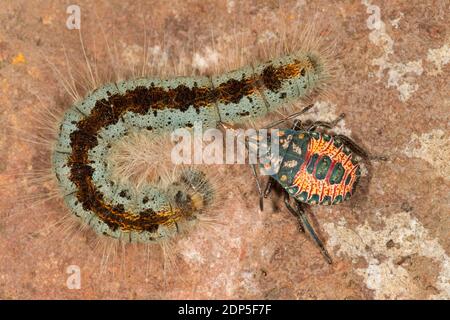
x=390, y=241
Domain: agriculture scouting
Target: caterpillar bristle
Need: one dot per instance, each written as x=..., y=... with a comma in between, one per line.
x=139, y=157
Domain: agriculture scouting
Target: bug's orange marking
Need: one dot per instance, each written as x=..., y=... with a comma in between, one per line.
x=308, y=182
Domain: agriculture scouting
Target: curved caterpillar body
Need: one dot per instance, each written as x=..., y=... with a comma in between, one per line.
x=92, y=125
x=316, y=168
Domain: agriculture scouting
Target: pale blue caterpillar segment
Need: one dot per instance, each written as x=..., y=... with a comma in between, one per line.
x=104, y=92
x=68, y=125
x=86, y=216
x=113, y=133
x=289, y=88
x=62, y=171
x=165, y=232
x=102, y=228
x=150, y=121
x=312, y=79
x=169, y=119
x=161, y=233
x=292, y=89
x=102, y=179
x=128, y=85
x=77, y=208
x=153, y=120
x=99, y=152
x=208, y=114
x=124, y=196
x=152, y=198
x=114, y=194
x=250, y=106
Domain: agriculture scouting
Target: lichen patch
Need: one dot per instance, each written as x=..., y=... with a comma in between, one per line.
x=386, y=251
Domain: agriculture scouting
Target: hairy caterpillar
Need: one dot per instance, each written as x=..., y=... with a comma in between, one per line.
x=93, y=124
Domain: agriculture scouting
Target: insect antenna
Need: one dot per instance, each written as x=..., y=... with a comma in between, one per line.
x=291, y=116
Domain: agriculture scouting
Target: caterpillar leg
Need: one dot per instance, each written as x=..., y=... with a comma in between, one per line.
x=299, y=211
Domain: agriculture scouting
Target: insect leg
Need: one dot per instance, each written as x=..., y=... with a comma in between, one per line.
x=352, y=145
x=273, y=124
x=297, y=125
x=268, y=187
x=357, y=149
x=318, y=124
x=302, y=215
x=324, y=124
x=258, y=187
x=293, y=211
x=226, y=126
x=258, y=184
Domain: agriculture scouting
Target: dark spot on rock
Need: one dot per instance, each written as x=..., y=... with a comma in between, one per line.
x=390, y=244
x=406, y=207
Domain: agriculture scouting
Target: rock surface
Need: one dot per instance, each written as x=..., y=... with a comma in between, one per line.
x=389, y=242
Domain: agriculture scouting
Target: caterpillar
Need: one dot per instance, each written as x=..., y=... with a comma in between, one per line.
x=111, y=112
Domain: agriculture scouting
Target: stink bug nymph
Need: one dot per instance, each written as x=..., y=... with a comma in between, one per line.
x=312, y=167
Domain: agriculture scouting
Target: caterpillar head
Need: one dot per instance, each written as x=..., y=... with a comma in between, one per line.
x=192, y=193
